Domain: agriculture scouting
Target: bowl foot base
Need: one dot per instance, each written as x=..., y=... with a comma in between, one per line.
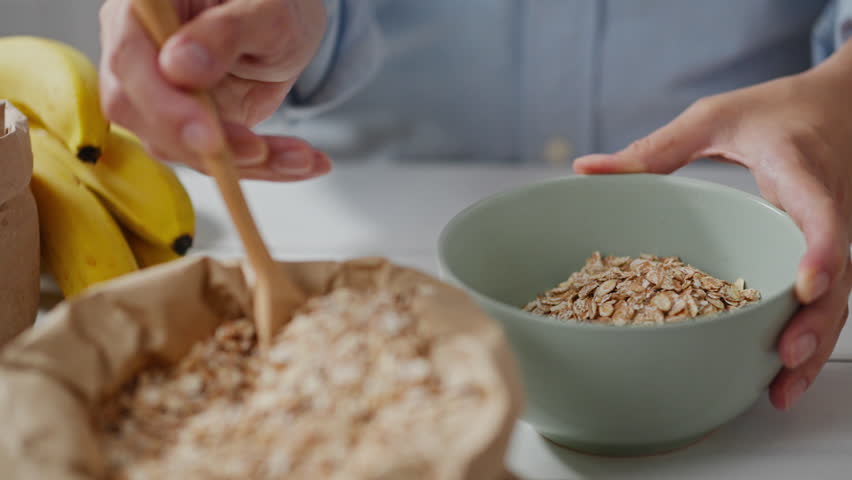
x=623, y=451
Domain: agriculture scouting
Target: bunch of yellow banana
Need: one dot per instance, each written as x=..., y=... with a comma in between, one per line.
x=106, y=208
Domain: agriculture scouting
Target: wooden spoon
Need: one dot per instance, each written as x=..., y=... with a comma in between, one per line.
x=276, y=296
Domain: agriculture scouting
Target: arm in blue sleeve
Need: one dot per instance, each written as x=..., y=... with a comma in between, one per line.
x=348, y=58
x=833, y=29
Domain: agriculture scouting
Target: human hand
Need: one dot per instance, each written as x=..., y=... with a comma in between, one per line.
x=795, y=135
x=246, y=53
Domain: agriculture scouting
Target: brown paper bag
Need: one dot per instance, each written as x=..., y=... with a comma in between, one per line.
x=51, y=377
x=19, y=250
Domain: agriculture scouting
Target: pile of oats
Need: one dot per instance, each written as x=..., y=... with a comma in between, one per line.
x=642, y=291
x=353, y=387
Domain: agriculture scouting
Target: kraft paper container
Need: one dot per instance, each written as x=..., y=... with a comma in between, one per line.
x=19, y=249
x=52, y=377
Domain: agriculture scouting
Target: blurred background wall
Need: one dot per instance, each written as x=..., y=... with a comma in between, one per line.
x=72, y=21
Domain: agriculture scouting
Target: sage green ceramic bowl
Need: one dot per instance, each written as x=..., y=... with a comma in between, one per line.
x=629, y=390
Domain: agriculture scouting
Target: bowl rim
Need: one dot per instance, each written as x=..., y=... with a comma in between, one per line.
x=516, y=312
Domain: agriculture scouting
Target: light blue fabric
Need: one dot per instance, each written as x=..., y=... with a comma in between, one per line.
x=506, y=80
x=843, y=22
x=314, y=76
x=350, y=55
x=833, y=29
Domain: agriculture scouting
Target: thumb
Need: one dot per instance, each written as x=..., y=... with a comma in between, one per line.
x=202, y=52
x=814, y=210
x=664, y=151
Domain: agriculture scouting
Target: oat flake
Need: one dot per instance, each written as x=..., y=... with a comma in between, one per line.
x=643, y=291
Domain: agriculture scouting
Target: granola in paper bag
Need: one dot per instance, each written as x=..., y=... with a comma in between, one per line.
x=65, y=387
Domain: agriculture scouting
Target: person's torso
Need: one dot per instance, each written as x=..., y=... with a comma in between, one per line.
x=546, y=80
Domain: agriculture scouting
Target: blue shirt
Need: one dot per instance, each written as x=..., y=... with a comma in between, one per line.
x=539, y=80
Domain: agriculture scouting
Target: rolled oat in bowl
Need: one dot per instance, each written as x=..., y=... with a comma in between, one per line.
x=647, y=290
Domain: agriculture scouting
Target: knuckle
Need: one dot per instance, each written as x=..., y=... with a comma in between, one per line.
x=706, y=107
x=116, y=60
x=642, y=146
x=304, y=27
x=227, y=25
x=115, y=104
x=272, y=36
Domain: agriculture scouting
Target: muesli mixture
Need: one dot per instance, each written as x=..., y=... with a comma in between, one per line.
x=352, y=388
x=640, y=291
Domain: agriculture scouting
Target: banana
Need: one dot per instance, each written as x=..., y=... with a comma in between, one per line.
x=56, y=86
x=147, y=254
x=144, y=195
x=81, y=243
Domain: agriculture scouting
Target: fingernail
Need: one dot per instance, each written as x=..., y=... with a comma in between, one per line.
x=812, y=285
x=297, y=162
x=795, y=391
x=189, y=55
x=803, y=348
x=197, y=137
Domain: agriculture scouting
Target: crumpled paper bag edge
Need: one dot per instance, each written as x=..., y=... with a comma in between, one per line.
x=218, y=292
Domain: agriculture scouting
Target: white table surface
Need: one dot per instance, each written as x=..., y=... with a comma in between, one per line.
x=398, y=212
